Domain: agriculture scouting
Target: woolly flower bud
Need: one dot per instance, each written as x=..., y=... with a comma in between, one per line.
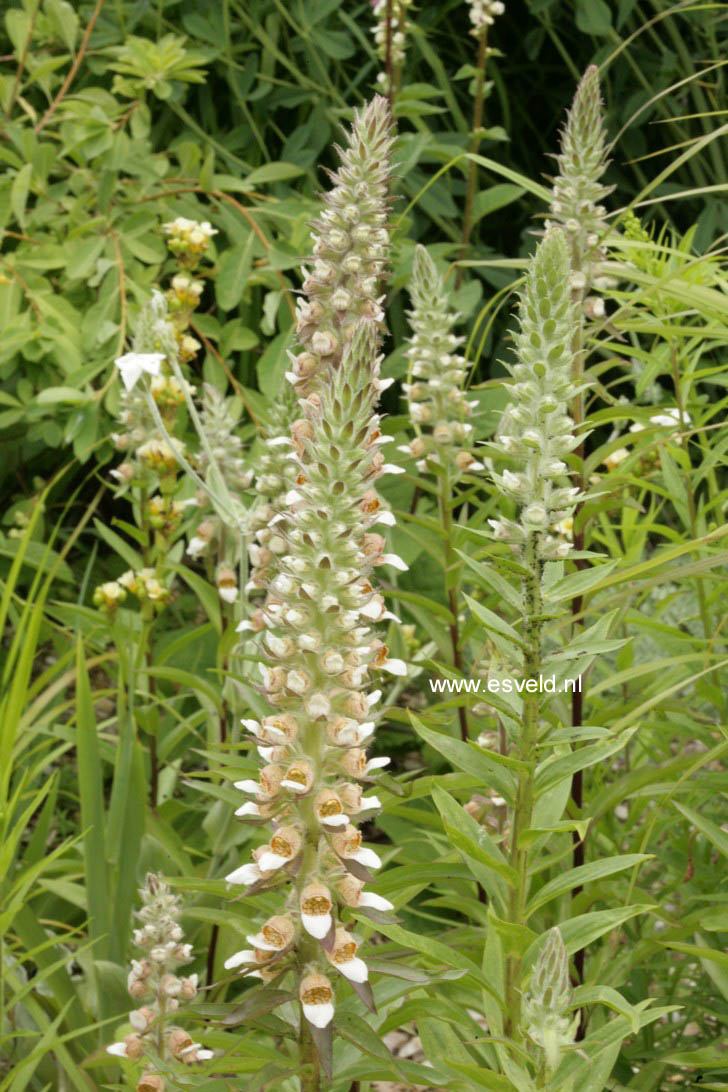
x=150, y=1082
x=440, y=398
x=548, y=999
x=541, y=395
x=577, y=191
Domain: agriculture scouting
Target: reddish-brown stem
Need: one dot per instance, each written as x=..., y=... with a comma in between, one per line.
x=72, y=70
x=474, y=145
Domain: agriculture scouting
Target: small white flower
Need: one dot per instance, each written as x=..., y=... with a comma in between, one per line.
x=395, y=561
x=132, y=365
x=244, y=956
x=377, y=763
x=246, y=874
x=395, y=667
x=117, y=1049
x=376, y=902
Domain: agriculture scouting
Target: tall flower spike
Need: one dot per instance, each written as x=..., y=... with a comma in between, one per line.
x=390, y=35
x=155, y=981
x=320, y=653
x=577, y=191
x=547, y=1001
x=483, y=14
x=350, y=248
x=436, y=399
x=536, y=429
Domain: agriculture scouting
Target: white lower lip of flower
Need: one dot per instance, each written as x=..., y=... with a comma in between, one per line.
x=248, y=786
x=368, y=802
x=293, y=496
x=269, y=861
x=243, y=626
x=378, y=763
x=392, y=468
x=244, y=956
x=131, y=366
x=247, y=874
x=390, y=617
x=383, y=384
x=265, y=753
x=117, y=1049
x=365, y=730
x=395, y=667
x=355, y=970
x=278, y=441
x=205, y=1055
x=249, y=808
x=191, y=1047
x=395, y=561
x=319, y=1015
x=366, y=857
x=376, y=902
x=259, y=941
x=372, y=609
x=373, y=698
x=318, y=705
x=386, y=518
x=294, y=786
x=317, y=925
x=252, y=726
x=339, y=820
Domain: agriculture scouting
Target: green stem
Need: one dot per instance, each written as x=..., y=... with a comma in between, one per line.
x=474, y=145
x=526, y=748
x=446, y=518
x=308, y=1059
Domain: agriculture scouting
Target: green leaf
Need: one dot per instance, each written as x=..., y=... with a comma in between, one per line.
x=605, y=995
x=233, y=273
x=19, y=192
x=494, y=198
x=472, y=840
x=272, y=172
x=712, y=832
x=593, y=17
x=583, y=875
x=90, y=787
x=557, y=767
x=472, y=760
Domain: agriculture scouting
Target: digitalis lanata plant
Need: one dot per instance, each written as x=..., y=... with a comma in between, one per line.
x=438, y=404
x=156, y=1043
x=321, y=653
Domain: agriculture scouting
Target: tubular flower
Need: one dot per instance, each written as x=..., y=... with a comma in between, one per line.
x=436, y=398
x=536, y=428
x=577, y=191
x=154, y=980
x=319, y=657
x=350, y=248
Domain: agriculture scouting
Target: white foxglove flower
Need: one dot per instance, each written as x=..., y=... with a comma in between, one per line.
x=133, y=365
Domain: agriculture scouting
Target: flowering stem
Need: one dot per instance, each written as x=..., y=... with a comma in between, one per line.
x=310, y=1072
x=526, y=745
x=474, y=145
x=446, y=518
